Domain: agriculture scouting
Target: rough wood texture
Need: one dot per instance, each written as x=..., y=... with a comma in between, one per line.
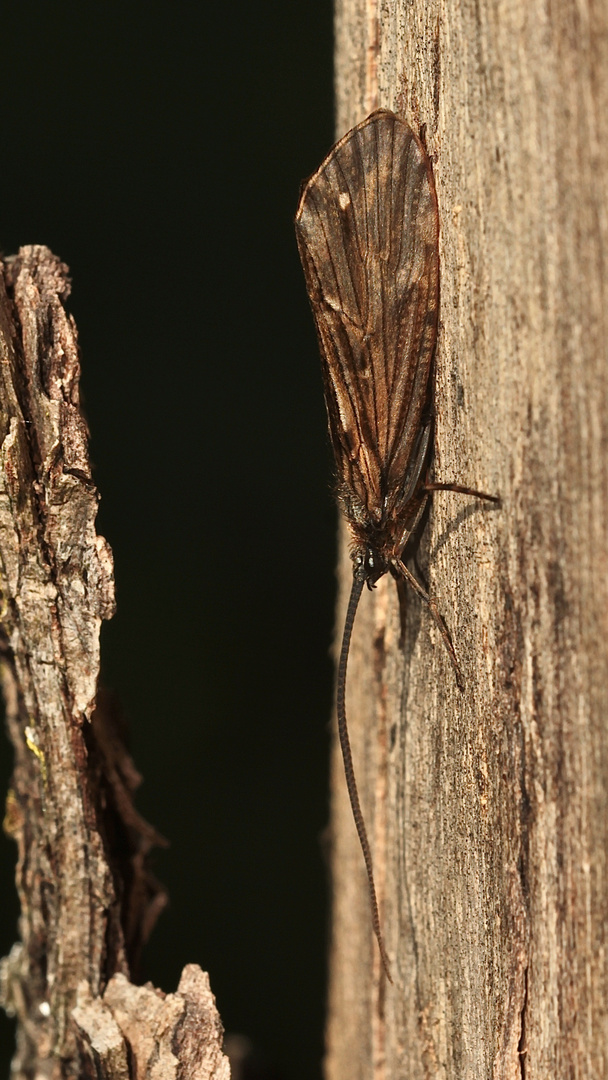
x=488, y=810
x=168, y=1036
x=87, y=899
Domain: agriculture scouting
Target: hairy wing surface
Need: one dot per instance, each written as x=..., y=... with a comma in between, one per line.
x=367, y=228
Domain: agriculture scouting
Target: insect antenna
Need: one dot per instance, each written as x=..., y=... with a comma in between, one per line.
x=349, y=772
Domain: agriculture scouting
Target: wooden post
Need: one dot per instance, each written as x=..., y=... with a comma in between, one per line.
x=488, y=809
x=87, y=899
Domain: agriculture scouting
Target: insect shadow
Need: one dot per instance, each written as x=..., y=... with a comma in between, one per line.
x=420, y=555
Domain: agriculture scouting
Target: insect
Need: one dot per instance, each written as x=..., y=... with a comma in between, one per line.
x=367, y=227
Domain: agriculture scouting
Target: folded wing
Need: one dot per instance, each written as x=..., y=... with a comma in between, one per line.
x=367, y=229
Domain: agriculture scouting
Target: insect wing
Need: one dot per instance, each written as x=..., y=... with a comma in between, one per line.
x=367, y=229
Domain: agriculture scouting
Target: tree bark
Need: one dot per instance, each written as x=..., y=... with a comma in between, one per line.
x=488, y=809
x=87, y=899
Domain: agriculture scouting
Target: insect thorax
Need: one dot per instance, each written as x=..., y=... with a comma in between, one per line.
x=378, y=535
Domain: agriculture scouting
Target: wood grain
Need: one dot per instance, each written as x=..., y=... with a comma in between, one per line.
x=488, y=810
x=88, y=901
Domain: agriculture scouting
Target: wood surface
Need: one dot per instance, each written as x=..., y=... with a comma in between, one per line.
x=488, y=809
x=87, y=899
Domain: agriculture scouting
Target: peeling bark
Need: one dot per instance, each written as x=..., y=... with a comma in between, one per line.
x=88, y=901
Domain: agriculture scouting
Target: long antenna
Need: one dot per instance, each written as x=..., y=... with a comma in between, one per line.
x=349, y=772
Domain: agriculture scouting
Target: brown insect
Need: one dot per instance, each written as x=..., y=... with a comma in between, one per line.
x=368, y=234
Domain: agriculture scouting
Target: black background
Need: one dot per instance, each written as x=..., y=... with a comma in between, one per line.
x=157, y=148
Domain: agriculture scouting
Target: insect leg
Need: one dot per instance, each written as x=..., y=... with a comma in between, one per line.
x=462, y=490
x=434, y=610
x=411, y=528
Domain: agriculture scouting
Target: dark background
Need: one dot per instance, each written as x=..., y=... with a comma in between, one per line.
x=157, y=148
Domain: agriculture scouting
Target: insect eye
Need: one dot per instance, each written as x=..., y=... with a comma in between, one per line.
x=372, y=564
x=360, y=560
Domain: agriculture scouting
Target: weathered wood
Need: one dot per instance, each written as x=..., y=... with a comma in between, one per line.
x=488, y=810
x=87, y=899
